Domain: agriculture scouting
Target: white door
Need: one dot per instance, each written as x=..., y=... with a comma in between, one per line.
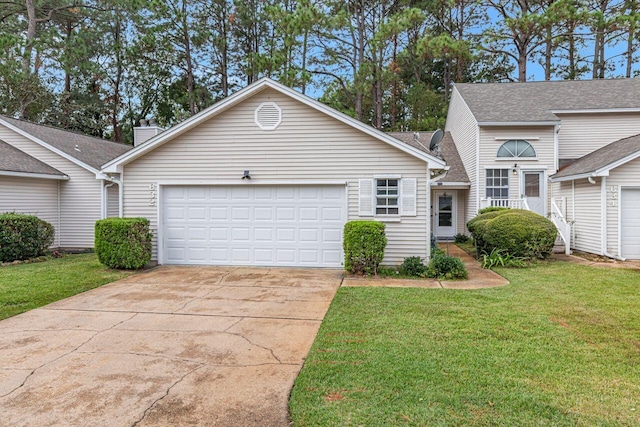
x=253, y=225
x=533, y=190
x=445, y=214
x=630, y=223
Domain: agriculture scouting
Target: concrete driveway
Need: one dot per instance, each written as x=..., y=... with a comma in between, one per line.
x=172, y=346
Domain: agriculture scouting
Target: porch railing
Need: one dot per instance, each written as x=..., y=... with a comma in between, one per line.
x=505, y=203
x=559, y=220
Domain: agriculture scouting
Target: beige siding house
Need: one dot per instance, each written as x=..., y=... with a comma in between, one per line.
x=55, y=175
x=565, y=149
x=269, y=177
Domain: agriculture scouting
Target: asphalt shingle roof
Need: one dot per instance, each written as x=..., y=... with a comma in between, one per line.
x=448, y=152
x=535, y=101
x=15, y=160
x=601, y=158
x=89, y=150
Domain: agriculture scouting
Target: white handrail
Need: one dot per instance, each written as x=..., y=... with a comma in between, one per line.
x=505, y=203
x=564, y=228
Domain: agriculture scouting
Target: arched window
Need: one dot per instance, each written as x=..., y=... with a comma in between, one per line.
x=516, y=148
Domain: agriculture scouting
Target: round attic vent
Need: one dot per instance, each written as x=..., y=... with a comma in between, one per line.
x=268, y=116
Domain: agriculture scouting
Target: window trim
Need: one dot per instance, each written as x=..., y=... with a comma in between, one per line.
x=397, y=196
x=518, y=157
x=487, y=187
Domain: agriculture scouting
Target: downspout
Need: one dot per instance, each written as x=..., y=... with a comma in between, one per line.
x=573, y=212
x=59, y=217
x=120, y=193
x=105, y=212
x=603, y=216
x=428, y=199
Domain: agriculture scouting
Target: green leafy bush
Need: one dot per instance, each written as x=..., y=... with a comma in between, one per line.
x=413, y=267
x=444, y=266
x=519, y=233
x=23, y=236
x=123, y=243
x=363, y=243
x=491, y=209
x=460, y=238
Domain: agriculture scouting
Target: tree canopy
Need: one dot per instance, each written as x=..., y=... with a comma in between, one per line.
x=98, y=66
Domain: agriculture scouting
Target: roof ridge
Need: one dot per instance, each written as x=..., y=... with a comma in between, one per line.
x=74, y=132
x=533, y=82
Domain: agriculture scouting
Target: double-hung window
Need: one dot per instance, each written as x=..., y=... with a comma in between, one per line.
x=387, y=191
x=497, y=183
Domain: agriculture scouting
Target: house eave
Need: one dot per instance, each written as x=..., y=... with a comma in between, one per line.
x=34, y=175
x=598, y=111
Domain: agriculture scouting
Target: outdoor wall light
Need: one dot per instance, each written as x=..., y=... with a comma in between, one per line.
x=515, y=169
x=246, y=175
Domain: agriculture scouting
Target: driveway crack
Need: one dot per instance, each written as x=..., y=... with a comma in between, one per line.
x=218, y=286
x=166, y=393
x=61, y=356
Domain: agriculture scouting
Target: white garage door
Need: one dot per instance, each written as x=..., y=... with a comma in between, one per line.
x=630, y=207
x=254, y=225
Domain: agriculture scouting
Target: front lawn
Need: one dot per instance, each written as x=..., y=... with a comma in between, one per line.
x=560, y=346
x=24, y=287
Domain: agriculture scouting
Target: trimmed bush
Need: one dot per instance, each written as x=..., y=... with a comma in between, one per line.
x=23, y=236
x=123, y=243
x=491, y=209
x=412, y=267
x=444, y=266
x=521, y=233
x=363, y=243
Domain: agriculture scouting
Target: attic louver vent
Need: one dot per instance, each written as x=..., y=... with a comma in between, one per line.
x=268, y=116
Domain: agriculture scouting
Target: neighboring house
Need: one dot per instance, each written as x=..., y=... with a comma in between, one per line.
x=269, y=176
x=55, y=175
x=516, y=140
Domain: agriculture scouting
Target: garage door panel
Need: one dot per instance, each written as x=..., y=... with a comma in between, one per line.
x=630, y=223
x=254, y=225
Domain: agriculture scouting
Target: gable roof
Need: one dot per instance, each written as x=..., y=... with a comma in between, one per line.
x=537, y=102
x=456, y=174
x=601, y=161
x=86, y=151
x=15, y=162
x=245, y=93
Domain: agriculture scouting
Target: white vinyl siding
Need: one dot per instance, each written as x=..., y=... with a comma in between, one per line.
x=625, y=176
x=588, y=214
x=80, y=196
x=492, y=138
x=31, y=196
x=307, y=146
x=580, y=134
x=112, y=201
x=464, y=131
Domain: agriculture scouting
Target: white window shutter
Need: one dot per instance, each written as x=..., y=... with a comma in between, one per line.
x=408, y=196
x=365, y=197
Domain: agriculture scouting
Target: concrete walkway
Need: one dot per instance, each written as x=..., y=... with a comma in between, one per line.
x=172, y=346
x=478, y=277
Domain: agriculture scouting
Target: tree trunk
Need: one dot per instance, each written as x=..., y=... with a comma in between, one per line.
x=633, y=8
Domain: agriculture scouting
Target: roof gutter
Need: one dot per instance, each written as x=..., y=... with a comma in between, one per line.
x=543, y=123
x=35, y=175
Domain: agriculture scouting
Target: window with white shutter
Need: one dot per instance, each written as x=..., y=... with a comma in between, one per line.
x=365, y=197
x=408, y=197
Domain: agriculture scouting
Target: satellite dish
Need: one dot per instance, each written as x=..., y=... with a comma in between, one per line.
x=435, y=139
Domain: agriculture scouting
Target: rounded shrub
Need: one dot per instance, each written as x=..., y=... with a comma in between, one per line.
x=412, y=267
x=477, y=226
x=521, y=233
x=123, y=243
x=444, y=266
x=363, y=244
x=491, y=209
x=23, y=236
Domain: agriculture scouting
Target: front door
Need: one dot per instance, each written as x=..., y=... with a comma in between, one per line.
x=533, y=183
x=445, y=214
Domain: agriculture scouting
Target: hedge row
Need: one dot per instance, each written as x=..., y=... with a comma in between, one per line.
x=23, y=236
x=363, y=243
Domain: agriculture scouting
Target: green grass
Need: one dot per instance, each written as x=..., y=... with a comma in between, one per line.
x=560, y=346
x=24, y=287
